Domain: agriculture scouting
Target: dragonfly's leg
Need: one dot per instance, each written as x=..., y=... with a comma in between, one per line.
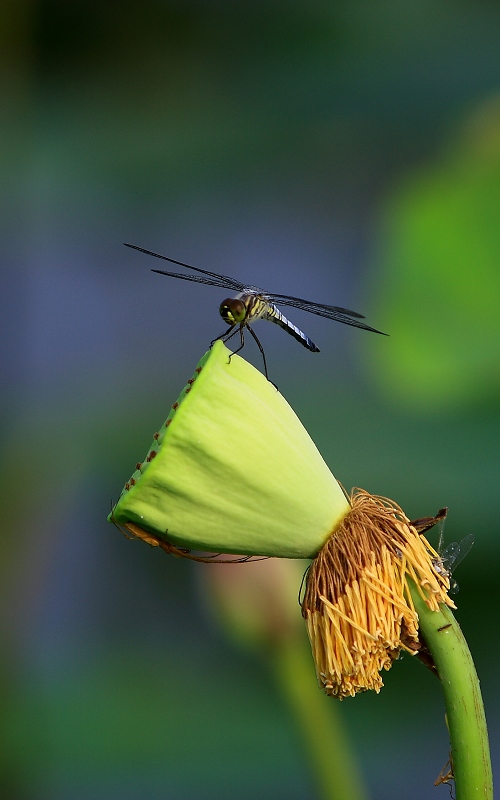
x=242, y=340
x=263, y=356
x=230, y=332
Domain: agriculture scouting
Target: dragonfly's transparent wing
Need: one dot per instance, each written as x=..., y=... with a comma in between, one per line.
x=214, y=278
x=455, y=553
x=224, y=281
x=196, y=279
x=448, y=556
x=330, y=312
x=451, y=556
x=308, y=305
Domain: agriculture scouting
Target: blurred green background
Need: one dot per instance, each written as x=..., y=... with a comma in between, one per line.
x=347, y=152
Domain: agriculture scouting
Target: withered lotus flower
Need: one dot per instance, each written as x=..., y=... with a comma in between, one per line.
x=233, y=470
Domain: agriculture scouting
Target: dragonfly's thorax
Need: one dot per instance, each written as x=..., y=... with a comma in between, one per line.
x=243, y=308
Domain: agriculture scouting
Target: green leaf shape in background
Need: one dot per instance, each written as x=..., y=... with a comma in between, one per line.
x=438, y=287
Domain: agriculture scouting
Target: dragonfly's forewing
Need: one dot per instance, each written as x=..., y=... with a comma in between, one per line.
x=221, y=283
x=217, y=280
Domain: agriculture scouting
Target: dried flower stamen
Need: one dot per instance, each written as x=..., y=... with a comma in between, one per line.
x=357, y=604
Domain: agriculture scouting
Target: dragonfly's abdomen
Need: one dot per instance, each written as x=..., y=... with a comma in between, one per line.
x=274, y=314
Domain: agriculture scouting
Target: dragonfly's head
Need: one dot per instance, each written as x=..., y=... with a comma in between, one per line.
x=233, y=310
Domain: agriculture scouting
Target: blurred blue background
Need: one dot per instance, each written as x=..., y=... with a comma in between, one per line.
x=347, y=152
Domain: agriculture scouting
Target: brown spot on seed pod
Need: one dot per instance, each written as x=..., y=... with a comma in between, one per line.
x=127, y=486
x=138, y=465
x=168, y=423
x=152, y=454
x=191, y=381
x=198, y=370
x=132, y=481
x=188, y=389
x=156, y=436
x=175, y=405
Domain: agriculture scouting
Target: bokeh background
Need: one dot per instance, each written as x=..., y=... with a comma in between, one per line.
x=347, y=152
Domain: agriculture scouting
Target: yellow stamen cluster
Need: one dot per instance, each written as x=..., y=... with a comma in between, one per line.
x=357, y=604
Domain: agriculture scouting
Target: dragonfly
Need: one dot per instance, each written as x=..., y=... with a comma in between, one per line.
x=451, y=556
x=252, y=303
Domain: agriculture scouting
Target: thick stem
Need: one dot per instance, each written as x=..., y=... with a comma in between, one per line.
x=323, y=734
x=464, y=705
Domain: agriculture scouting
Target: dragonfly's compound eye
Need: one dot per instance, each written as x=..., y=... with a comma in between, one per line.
x=232, y=311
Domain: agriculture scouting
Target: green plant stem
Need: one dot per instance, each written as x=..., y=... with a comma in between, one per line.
x=318, y=717
x=464, y=705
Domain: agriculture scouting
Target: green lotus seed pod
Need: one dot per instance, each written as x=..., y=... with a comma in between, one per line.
x=233, y=470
